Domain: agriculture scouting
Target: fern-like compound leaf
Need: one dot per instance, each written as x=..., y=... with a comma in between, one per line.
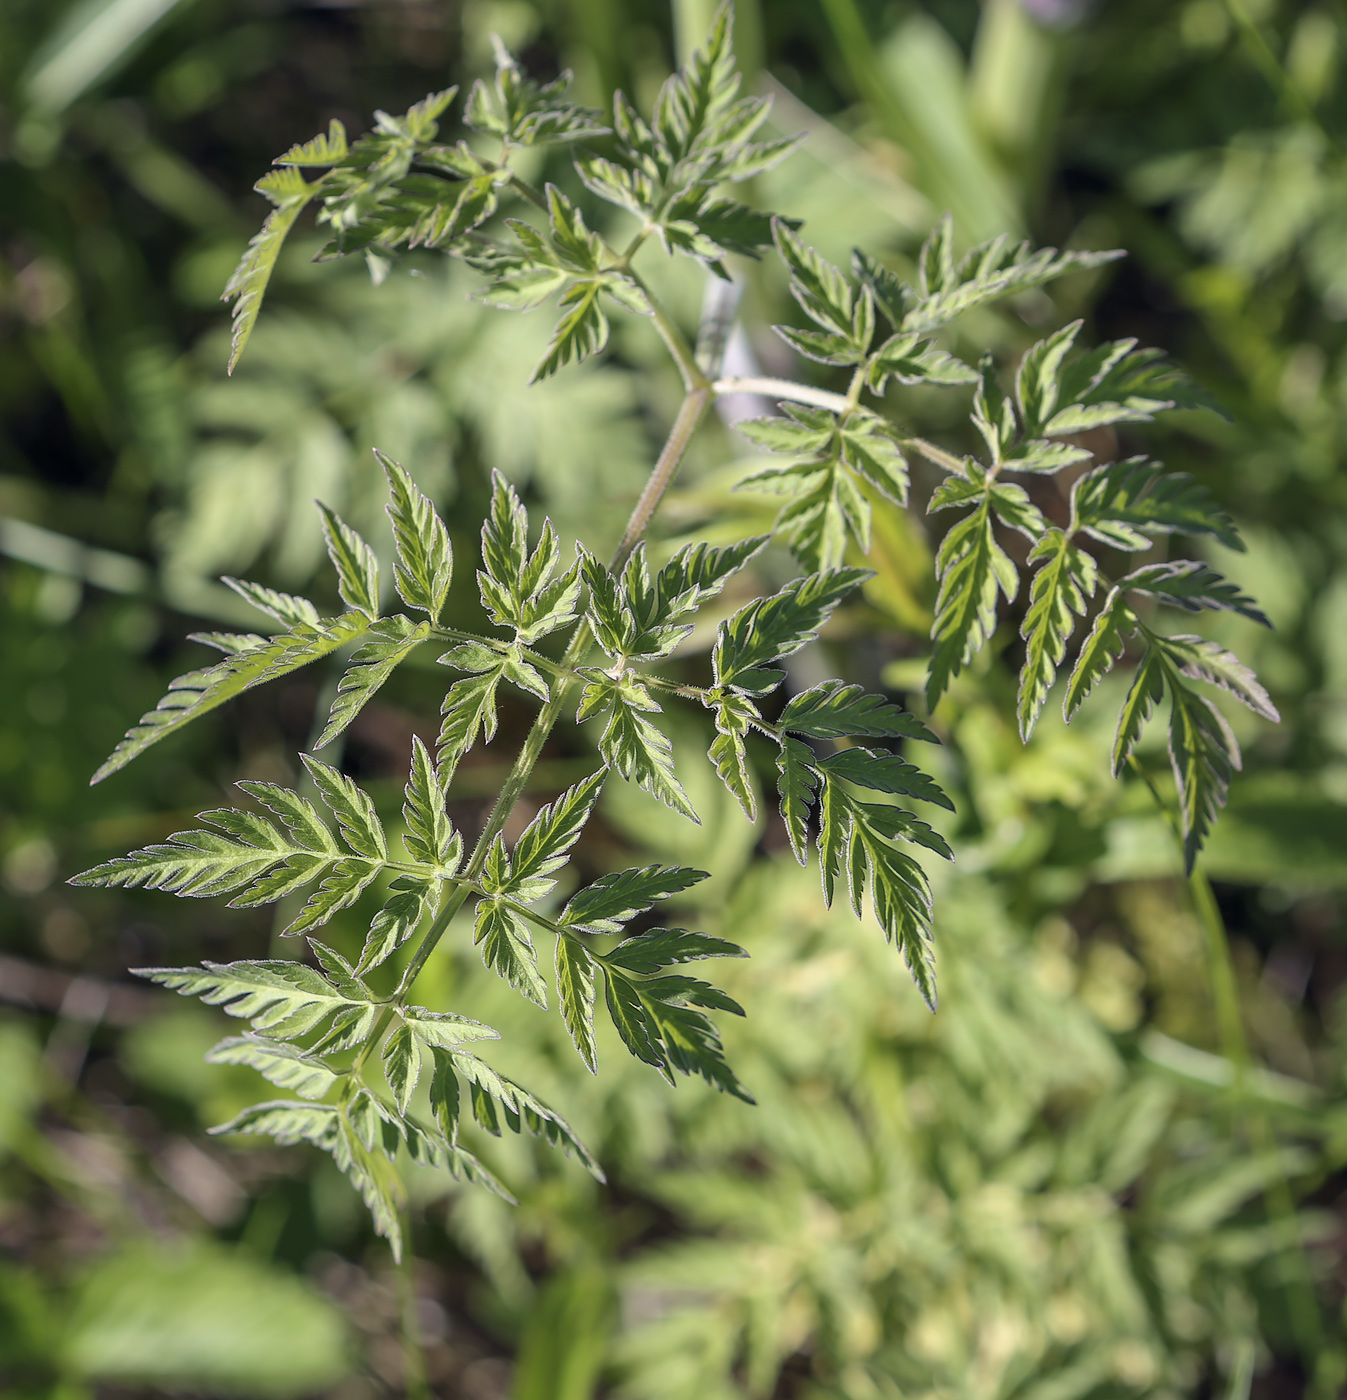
x=199, y=692
x=1066, y=577
x=507, y=949
x=290, y=192
x=389, y=642
x=285, y=1065
x=615, y=899
x=797, y=782
x=425, y=559
x=1126, y=502
x=770, y=628
x=835, y=710
x=355, y=563
x=282, y=998
x=1193, y=586
x=545, y=843
x=575, y=992
x=972, y=567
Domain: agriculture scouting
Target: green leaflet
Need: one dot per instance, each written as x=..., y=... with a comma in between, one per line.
x=1202, y=660
x=826, y=505
x=402, y=1066
x=1193, y=586
x=636, y=618
x=284, y=607
x=650, y=953
x=391, y=641
x=1203, y=752
x=290, y=193
x=543, y=846
x=630, y=743
x=352, y=808
x=283, y=998
x=911, y=359
x=1065, y=578
x=494, y=1097
x=659, y=1023
x=364, y=1136
x=503, y=936
x=1099, y=651
x=355, y=563
x=972, y=567
x=410, y=899
x=199, y=692
x=770, y=628
x=836, y=710
x=796, y=784
x=734, y=717
x=581, y=332
x=431, y=838
x=526, y=113
x=1122, y=504
x=884, y=772
x=425, y=563
x=285, y=1065
x=827, y=296
x=469, y=710
x=519, y=589
x=1148, y=685
x=993, y=270
x=613, y=900
x=258, y=862
x=856, y=845
x=575, y=991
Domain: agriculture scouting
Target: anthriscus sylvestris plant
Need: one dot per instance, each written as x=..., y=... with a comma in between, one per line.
x=593, y=639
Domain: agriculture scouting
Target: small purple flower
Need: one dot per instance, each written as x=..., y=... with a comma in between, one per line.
x=1059, y=14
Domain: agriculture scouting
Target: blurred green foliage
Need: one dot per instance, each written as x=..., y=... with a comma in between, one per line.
x=1063, y=1185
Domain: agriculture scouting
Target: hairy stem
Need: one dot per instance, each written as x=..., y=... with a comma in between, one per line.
x=782, y=389
x=675, y=446
x=674, y=339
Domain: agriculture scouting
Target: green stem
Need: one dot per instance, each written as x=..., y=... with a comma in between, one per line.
x=1268, y=64
x=1306, y=1321
x=675, y=446
x=782, y=389
x=415, y=1380
x=674, y=340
